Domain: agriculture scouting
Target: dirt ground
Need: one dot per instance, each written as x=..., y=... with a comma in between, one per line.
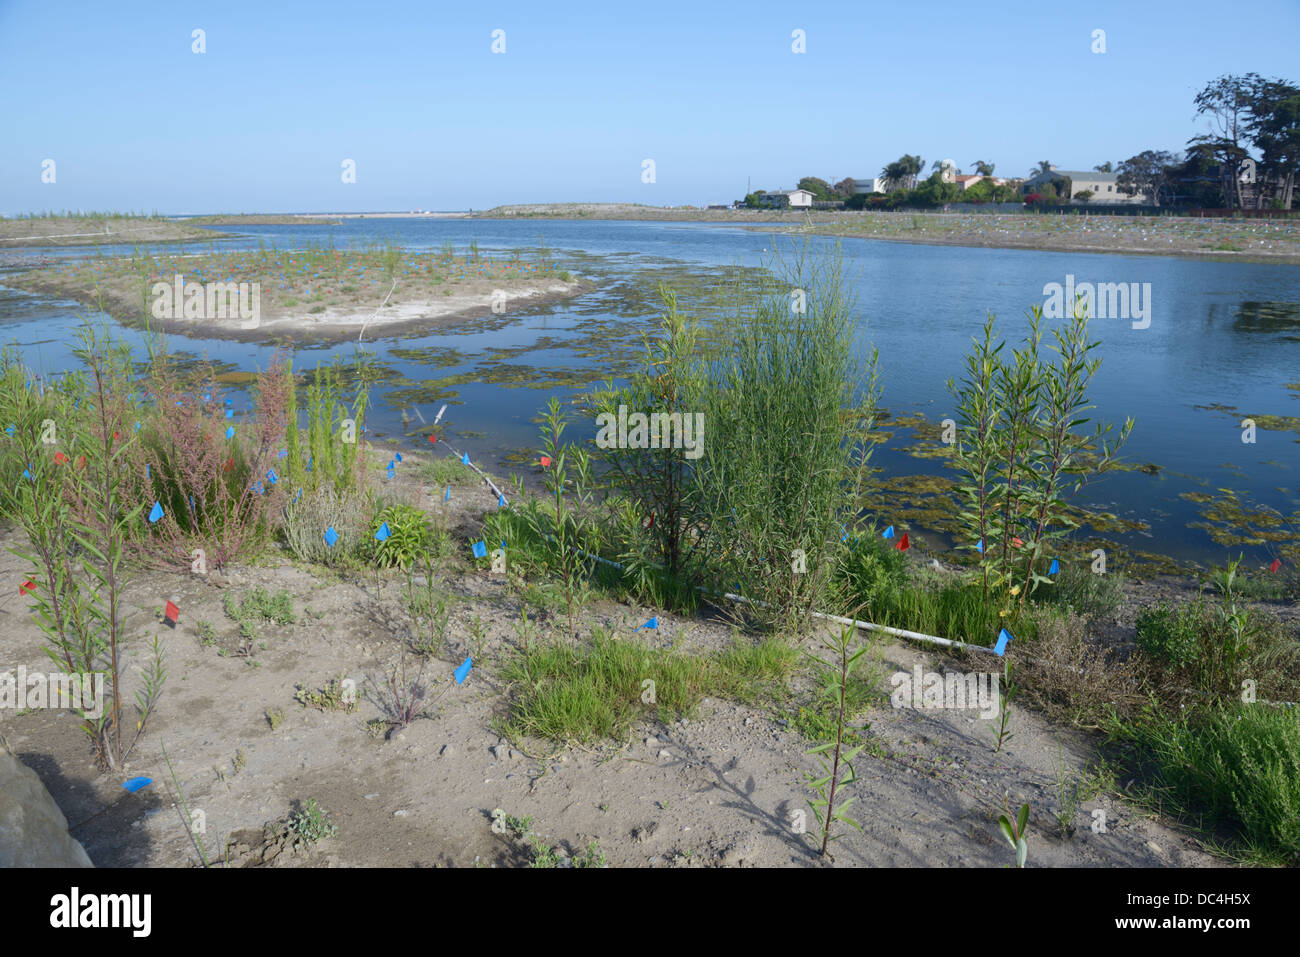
x=92, y=230
x=722, y=788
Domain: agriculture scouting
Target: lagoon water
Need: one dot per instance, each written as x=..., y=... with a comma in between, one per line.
x=1223, y=344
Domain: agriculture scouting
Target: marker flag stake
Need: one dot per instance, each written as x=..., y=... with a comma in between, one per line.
x=230, y=432
x=653, y=623
x=903, y=544
x=462, y=672
x=447, y=497
x=464, y=458
x=1277, y=563
x=171, y=614
x=479, y=549
x=136, y=784
x=501, y=501
x=1056, y=567
x=889, y=532
x=383, y=534
x=1003, y=637
x=331, y=536
x=980, y=547
x=156, y=512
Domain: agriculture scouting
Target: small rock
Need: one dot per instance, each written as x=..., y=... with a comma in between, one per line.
x=499, y=751
x=371, y=797
x=400, y=812
x=664, y=753
x=447, y=751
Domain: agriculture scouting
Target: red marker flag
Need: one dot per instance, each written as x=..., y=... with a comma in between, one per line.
x=1277, y=563
x=1017, y=543
x=903, y=544
x=171, y=614
x=26, y=587
x=81, y=461
x=432, y=438
x=59, y=458
x=546, y=461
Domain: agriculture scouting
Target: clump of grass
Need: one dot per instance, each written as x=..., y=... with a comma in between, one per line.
x=307, y=517
x=1076, y=586
x=1236, y=768
x=260, y=605
x=570, y=693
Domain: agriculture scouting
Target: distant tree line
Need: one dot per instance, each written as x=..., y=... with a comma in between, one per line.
x=1248, y=159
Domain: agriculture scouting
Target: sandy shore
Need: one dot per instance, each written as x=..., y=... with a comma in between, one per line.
x=310, y=295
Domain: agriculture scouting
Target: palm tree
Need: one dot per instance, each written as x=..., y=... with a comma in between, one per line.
x=1044, y=166
x=983, y=168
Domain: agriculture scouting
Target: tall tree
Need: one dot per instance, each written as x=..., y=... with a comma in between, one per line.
x=1148, y=173
x=1274, y=128
x=983, y=168
x=820, y=189
x=845, y=188
x=1105, y=167
x=1226, y=101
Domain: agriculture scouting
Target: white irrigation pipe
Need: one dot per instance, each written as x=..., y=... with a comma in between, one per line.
x=381, y=306
x=838, y=619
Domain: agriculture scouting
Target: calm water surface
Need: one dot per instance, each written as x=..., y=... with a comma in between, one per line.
x=1223, y=344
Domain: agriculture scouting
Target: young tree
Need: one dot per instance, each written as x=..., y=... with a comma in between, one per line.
x=1147, y=174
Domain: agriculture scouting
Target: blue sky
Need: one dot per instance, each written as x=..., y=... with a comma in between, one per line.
x=262, y=121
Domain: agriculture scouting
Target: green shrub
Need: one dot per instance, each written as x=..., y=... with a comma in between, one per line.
x=411, y=537
x=1171, y=635
x=868, y=576
x=1237, y=768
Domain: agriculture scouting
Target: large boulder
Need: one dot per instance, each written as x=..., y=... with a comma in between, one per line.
x=33, y=831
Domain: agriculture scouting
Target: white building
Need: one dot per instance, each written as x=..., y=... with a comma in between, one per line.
x=876, y=184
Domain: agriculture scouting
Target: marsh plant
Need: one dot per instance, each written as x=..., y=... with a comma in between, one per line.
x=1015, y=833
x=658, y=483
x=72, y=502
x=790, y=412
x=1004, y=707
x=568, y=522
x=1021, y=452
x=835, y=760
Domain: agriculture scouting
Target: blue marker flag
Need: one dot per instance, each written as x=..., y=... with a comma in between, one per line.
x=501, y=500
x=309, y=458
x=230, y=413
x=383, y=534
x=1056, y=567
x=889, y=532
x=462, y=672
x=464, y=459
x=652, y=623
x=283, y=453
x=272, y=477
x=298, y=496
x=156, y=512
x=503, y=544
x=331, y=536
x=980, y=546
x=230, y=432
x=447, y=497
x=135, y=784
x=1003, y=637
x=228, y=402
x=398, y=456
x=146, y=470
x=479, y=549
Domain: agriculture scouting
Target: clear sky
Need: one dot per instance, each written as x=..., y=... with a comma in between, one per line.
x=583, y=94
